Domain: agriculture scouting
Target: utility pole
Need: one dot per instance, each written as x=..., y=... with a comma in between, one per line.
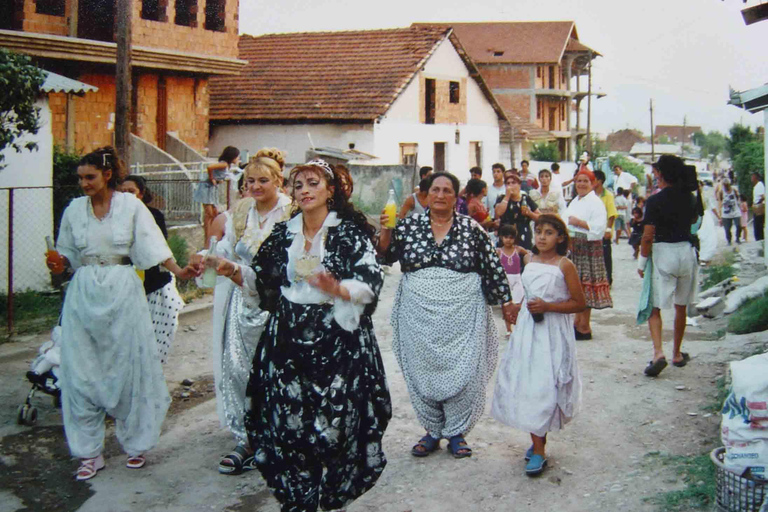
x=589, y=107
x=682, y=145
x=653, y=146
x=123, y=81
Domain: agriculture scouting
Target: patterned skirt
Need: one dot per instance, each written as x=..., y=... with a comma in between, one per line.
x=588, y=258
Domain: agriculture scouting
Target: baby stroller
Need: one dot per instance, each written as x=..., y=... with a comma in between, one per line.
x=44, y=377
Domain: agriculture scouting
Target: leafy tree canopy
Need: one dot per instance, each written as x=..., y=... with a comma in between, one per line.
x=711, y=144
x=545, y=152
x=635, y=169
x=20, y=83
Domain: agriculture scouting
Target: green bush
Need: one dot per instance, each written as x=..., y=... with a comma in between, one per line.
x=636, y=170
x=65, y=183
x=545, y=152
x=718, y=272
x=750, y=317
x=32, y=311
x=180, y=249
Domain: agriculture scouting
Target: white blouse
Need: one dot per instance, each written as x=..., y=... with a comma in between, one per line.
x=591, y=210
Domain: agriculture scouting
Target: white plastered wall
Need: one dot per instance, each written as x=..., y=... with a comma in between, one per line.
x=32, y=208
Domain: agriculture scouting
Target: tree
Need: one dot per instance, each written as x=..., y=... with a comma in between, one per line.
x=750, y=158
x=664, y=139
x=545, y=152
x=627, y=165
x=711, y=144
x=739, y=134
x=599, y=148
x=20, y=83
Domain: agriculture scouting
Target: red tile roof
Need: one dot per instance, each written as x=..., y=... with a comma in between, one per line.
x=623, y=140
x=515, y=42
x=322, y=76
x=675, y=132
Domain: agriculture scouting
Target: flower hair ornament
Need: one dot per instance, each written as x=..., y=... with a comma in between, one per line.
x=323, y=165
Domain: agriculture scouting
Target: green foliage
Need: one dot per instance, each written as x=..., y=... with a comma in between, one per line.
x=664, y=139
x=739, y=134
x=750, y=157
x=545, y=152
x=65, y=183
x=698, y=473
x=33, y=312
x=718, y=272
x=636, y=170
x=180, y=249
x=711, y=144
x=20, y=82
x=751, y=317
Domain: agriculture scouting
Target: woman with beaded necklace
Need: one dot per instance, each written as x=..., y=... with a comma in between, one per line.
x=319, y=402
x=238, y=320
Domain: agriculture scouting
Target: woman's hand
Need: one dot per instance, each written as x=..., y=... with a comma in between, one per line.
x=538, y=306
x=197, y=261
x=383, y=220
x=224, y=267
x=510, y=311
x=328, y=284
x=187, y=272
x=642, y=274
x=575, y=221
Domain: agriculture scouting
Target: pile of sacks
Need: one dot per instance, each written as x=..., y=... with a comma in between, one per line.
x=745, y=419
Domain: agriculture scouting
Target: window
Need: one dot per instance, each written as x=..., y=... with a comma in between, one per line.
x=429, y=101
x=154, y=10
x=438, y=163
x=50, y=7
x=551, y=77
x=538, y=72
x=409, y=153
x=498, y=53
x=454, y=91
x=186, y=13
x=214, y=15
x=538, y=109
x=562, y=112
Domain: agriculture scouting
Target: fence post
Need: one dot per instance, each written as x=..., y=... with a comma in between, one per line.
x=10, y=261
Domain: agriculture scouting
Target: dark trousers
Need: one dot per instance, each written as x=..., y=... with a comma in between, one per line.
x=727, y=223
x=759, y=225
x=607, y=256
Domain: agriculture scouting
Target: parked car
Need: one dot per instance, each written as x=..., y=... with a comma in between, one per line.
x=706, y=178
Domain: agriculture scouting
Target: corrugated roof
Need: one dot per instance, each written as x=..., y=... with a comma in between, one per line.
x=322, y=76
x=58, y=83
x=513, y=42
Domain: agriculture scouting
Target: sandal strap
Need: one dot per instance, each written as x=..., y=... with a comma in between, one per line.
x=237, y=456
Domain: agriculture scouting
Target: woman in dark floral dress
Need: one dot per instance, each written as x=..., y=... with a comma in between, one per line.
x=517, y=208
x=319, y=396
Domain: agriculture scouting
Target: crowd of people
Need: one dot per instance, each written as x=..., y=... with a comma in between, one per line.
x=299, y=379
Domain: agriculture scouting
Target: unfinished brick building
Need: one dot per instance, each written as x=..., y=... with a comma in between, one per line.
x=177, y=45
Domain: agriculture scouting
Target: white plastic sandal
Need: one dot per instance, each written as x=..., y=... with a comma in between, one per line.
x=89, y=467
x=136, y=462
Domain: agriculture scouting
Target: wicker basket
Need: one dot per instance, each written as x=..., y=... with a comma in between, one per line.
x=736, y=493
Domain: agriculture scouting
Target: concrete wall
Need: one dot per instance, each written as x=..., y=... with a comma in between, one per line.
x=32, y=209
x=291, y=139
x=372, y=184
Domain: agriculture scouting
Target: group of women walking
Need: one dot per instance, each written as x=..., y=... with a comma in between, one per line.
x=299, y=379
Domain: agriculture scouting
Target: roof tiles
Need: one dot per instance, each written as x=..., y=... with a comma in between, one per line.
x=322, y=76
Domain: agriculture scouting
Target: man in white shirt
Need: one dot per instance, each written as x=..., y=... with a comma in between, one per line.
x=758, y=198
x=623, y=179
x=495, y=189
x=557, y=178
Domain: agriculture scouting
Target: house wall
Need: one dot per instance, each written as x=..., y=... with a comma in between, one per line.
x=156, y=34
x=292, y=140
x=187, y=104
x=32, y=208
x=507, y=76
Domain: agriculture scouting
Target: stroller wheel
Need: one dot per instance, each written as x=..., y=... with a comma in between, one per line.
x=31, y=416
x=21, y=414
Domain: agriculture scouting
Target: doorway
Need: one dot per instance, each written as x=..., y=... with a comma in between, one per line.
x=162, y=112
x=429, y=101
x=439, y=158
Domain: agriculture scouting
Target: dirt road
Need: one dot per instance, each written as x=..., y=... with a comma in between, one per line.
x=600, y=461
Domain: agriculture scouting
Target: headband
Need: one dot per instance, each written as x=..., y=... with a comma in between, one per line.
x=323, y=165
x=586, y=172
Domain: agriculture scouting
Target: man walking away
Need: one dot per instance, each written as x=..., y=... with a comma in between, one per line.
x=758, y=205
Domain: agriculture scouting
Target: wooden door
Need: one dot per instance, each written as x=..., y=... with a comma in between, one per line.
x=162, y=112
x=439, y=158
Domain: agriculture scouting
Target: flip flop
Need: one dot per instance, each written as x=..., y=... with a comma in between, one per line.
x=425, y=446
x=654, y=367
x=684, y=362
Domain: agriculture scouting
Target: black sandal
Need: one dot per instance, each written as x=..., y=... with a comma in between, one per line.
x=237, y=462
x=654, y=367
x=425, y=446
x=686, y=358
x=459, y=447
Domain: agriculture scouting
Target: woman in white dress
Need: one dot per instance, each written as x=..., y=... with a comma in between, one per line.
x=538, y=387
x=109, y=362
x=238, y=321
x=548, y=198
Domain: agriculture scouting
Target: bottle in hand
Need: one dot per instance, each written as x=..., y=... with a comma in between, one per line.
x=390, y=210
x=209, y=274
x=53, y=257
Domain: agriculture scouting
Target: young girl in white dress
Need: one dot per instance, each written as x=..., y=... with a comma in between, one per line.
x=109, y=362
x=538, y=387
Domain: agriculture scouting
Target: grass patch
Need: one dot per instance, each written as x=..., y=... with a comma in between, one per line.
x=750, y=317
x=698, y=474
x=33, y=312
x=722, y=388
x=719, y=271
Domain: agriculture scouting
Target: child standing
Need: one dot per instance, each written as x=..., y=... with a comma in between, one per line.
x=539, y=388
x=622, y=206
x=744, y=216
x=511, y=259
x=637, y=230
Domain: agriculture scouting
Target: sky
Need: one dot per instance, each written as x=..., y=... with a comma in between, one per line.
x=682, y=54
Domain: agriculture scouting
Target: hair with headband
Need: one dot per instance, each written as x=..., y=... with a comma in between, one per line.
x=106, y=159
x=338, y=177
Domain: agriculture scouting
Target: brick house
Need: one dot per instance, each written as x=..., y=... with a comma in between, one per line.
x=675, y=133
x=176, y=48
x=406, y=95
x=529, y=66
